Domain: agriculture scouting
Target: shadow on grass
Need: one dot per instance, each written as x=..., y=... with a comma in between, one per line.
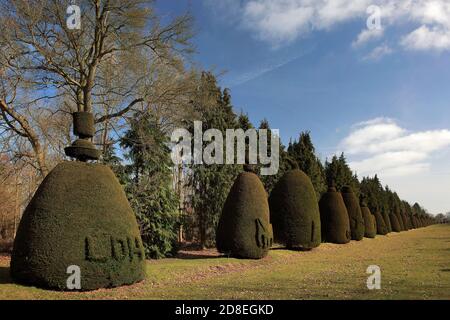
x=195, y=256
x=445, y=270
x=5, y=277
x=290, y=249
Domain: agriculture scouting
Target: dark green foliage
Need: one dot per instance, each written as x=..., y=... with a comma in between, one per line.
x=395, y=223
x=82, y=150
x=83, y=124
x=78, y=216
x=338, y=172
x=334, y=218
x=381, y=225
x=373, y=192
x=354, y=213
x=149, y=185
x=304, y=154
x=83, y=127
x=400, y=221
x=415, y=222
x=211, y=183
x=387, y=221
x=294, y=211
x=244, y=229
x=388, y=202
x=405, y=222
x=269, y=181
x=370, y=228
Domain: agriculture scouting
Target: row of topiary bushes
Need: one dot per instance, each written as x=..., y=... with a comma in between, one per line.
x=292, y=216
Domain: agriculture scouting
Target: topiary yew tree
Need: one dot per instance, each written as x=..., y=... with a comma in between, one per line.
x=406, y=221
x=354, y=213
x=395, y=223
x=78, y=216
x=370, y=229
x=294, y=211
x=334, y=217
x=381, y=226
x=244, y=229
x=387, y=220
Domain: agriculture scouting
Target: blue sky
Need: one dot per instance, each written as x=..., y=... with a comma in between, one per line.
x=380, y=95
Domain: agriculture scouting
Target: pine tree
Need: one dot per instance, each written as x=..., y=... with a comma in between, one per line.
x=269, y=181
x=304, y=154
x=338, y=172
x=210, y=184
x=149, y=186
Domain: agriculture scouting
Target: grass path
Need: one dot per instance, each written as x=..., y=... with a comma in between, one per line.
x=414, y=265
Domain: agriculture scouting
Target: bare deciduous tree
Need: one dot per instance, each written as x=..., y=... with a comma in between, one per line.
x=108, y=67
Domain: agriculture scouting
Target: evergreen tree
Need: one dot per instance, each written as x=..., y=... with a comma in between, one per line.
x=211, y=184
x=271, y=180
x=111, y=159
x=304, y=154
x=149, y=187
x=338, y=172
x=373, y=192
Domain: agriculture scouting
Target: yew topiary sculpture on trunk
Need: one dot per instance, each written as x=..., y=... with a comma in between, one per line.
x=244, y=229
x=79, y=216
x=354, y=213
x=334, y=217
x=294, y=212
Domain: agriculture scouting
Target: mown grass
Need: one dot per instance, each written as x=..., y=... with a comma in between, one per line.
x=414, y=265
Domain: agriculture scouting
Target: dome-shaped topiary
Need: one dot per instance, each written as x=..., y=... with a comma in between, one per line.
x=79, y=216
x=294, y=211
x=395, y=223
x=387, y=221
x=334, y=218
x=244, y=229
x=400, y=220
x=354, y=213
x=406, y=226
x=370, y=228
x=416, y=222
x=381, y=226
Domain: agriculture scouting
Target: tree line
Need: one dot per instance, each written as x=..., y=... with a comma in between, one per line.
x=137, y=75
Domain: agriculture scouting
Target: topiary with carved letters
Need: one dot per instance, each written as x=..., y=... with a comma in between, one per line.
x=78, y=216
x=370, y=228
x=381, y=225
x=294, y=212
x=244, y=229
x=354, y=213
x=334, y=218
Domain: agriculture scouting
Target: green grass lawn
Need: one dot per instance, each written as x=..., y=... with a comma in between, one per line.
x=414, y=265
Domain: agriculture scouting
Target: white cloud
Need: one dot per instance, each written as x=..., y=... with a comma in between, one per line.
x=381, y=146
x=282, y=21
x=425, y=38
x=378, y=53
x=367, y=35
